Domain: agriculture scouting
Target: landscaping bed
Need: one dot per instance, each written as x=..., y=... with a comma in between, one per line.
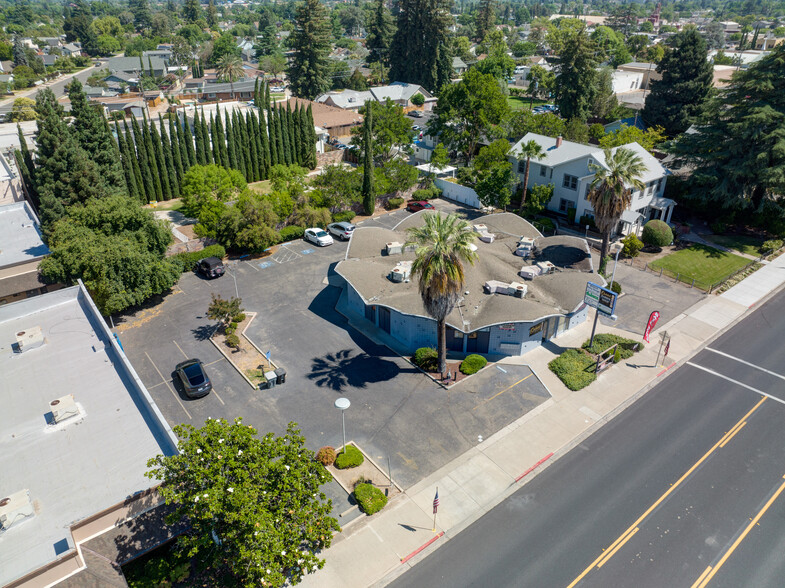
x=246, y=358
x=576, y=368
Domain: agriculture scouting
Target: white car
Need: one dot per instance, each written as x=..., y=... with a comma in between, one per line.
x=341, y=230
x=318, y=237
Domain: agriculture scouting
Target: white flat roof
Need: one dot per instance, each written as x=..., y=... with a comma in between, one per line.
x=20, y=235
x=83, y=465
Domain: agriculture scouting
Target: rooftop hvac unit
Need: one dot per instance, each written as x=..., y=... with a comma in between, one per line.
x=15, y=508
x=29, y=339
x=64, y=408
x=401, y=272
x=394, y=248
x=525, y=247
x=518, y=289
x=546, y=267
x=480, y=229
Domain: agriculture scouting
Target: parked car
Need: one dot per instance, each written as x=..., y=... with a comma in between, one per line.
x=210, y=267
x=195, y=382
x=416, y=127
x=418, y=205
x=416, y=113
x=341, y=230
x=318, y=237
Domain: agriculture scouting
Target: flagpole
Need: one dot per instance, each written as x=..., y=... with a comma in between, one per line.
x=435, y=507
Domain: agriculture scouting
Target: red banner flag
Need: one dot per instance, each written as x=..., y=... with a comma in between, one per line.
x=653, y=318
x=436, y=502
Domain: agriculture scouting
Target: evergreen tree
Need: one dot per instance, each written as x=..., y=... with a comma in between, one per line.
x=208, y=151
x=238, y=146
x=309, y=69
x=294, y=136
x=152, y=159
x=223, y=137
x=272, y=137
x=186, y=141
x=144, y=163
x=95, y=137
x=176, y=149
x=486, y=16
x=132, y=154
x=28, y=167
x=257, y=100
x=192, y=12
x=687, y=80
x=279, y=146
x=420, y=51
x=201, y=158
x=265, y=152
x=305, y=135
x=160, y=159
x=231, y=145
x=245, y=146
x=369, y=198
x=380, y=33
x=266, y=95
x=253, y=148
x=212, y=14
x=576, y=82
x=312, y=143
x=128, y=168
x=282, y=128
x=168, y=150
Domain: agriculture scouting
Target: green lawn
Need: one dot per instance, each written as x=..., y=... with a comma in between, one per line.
x=520, y=102
x=742, y=243
x=175, y=204
x=263, y=187
x=706, y=265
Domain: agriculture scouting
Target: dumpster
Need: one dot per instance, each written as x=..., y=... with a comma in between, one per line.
x=280, y=376
x=270, y=377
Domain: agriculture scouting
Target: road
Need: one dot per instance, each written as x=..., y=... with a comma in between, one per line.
x=58, y=87
x=685, y=488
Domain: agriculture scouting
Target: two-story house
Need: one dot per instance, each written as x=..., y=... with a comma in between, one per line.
x=566, y=165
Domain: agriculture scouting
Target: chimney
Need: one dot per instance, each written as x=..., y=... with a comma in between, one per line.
x=558, y=141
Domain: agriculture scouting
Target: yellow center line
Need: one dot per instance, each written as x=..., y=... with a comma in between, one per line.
x=732, y=435
x=741, y=537
x=610, y=553
x=673, y=487
x=503, y=391
x=699, y=581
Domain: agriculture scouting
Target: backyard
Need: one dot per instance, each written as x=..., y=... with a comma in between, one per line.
x=521, y=102
x=748, y=244
x=706, y=265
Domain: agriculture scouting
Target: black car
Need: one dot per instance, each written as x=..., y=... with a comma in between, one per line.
x=194, y=379
x=210, y=267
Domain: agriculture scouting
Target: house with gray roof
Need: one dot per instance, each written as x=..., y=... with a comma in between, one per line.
x=136, y=66
x=566, y=166
x=501, y=311
x=399, y=93
x=72, y=49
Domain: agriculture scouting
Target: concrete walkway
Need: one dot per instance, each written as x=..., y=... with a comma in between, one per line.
x=372, y=551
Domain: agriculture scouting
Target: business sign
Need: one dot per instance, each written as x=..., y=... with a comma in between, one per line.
x=653, y=318
x=602, y=299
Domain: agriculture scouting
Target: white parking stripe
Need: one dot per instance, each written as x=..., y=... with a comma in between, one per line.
x=165, y=381
x=742, y=384
x=752, y=365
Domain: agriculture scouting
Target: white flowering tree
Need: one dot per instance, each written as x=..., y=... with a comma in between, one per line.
x=253, y=506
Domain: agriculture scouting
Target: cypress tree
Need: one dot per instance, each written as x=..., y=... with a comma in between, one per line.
x=264, y=154
x=168, y=150
x=208, y=152
x=312, y=143
x=132, y=153
x=273, y=137
x=256, y=93
x=267, y=95
x=369, y=199
x=160, y=159
x=128, y=170
x=237, y=137
x=305, y=137
x=294, y=136
x=144, y=163
x=28, y=168
x=231, y=154
x=214, y=127
x=152, y=159
x=253, y=139
x=150, y=65
x=282, y=129
x=224, y=139
x=200, y=156
x=176, y=148
x=249, y=146
x=187, y=153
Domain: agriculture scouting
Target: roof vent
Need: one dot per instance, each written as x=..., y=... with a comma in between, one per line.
x=63, y=408
x=401, y=272
x=15, y=508
x=525, y=247
x=29, y=339
x=394, y=248
x=559, y=141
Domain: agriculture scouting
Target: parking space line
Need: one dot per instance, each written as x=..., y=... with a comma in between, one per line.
x=215, y=393
x=251, y=265
x=502, y=392
x=165, y=381
x=752, y=365
x=180, y=348
x=214, y=362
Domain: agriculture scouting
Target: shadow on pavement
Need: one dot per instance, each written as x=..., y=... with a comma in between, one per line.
x=347, y=368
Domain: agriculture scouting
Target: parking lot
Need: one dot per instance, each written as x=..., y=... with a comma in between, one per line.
x=396, y=411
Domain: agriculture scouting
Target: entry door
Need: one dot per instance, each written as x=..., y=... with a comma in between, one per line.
x=384, y=318
x=454, y=339
x=478, y=342
x=370, y=313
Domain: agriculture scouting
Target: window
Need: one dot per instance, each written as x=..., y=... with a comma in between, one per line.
x=543, y=170
x=570, y=182
x=564, y=204
x=536, y=329
x=521, y=167
x=586, y=192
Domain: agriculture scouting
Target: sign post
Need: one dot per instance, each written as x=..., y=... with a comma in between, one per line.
x=601, y=299
x=663, y=338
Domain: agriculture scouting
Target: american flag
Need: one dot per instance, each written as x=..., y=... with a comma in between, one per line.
x=436, y=502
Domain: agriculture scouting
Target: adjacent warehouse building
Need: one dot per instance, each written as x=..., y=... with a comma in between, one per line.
x=510, y=305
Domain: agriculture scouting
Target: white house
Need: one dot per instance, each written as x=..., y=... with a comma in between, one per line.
x=566, y=166
x=626, y=81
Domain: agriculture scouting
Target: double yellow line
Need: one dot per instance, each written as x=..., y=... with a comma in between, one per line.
x=632, y=529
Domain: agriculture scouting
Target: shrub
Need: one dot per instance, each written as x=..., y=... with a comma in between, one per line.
x=234, y=324
x=571, y=215
x=291, y=233
x=574, y=368
x=426, y=358
x=546, y=224
x=718, y=227
x=473, y=364
x=326, y=455
x=587, y=220
x=233, y=341
x=426, y=193
x=657, y=234
x=632, y=245
x=771, y=245
x=238, y=318
x=615, y=287
x=187, y=260
x=418, y=99
x=369, y=498
x=596, y=131
x=344, y=217
x=349, y=457
x=229, y=330
x=604, y=340
x=617, y=355
x=393, y=203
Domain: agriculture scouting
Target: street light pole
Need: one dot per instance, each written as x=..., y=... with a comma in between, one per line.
x=342, y=404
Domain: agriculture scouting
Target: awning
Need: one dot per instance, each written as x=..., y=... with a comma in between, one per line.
x=630, y=216
x=661, y=203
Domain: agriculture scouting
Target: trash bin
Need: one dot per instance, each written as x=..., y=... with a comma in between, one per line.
x=280, y=376
x=270, y=379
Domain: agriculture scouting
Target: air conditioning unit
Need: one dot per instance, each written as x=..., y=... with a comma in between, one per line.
x=394, y=248
x=15, y=508
x=401, y=272
x=518, y=289
x=29, y=339
x=480, y=229
x=63, y=408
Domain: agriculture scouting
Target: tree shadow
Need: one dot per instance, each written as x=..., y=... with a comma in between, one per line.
x=349, y=368
x=203, y=332
x=711, y=252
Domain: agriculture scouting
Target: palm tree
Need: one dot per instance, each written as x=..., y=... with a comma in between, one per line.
x=610, y=192
x=230, y=67
x=443, y=244
x=529, y=150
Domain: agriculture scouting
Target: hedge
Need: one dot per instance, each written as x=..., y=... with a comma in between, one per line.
x=349, y=457
x=426, y=193
x=393, y=203
x=344, y=217
x=604, y=340
x=657, y=234
x=426, y=358
x=574, y=368
x=473, y=364
x=187, y=260
x=370, y=499
x=291, y=232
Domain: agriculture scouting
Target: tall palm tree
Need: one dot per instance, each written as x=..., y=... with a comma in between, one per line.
x=610, y=192
x=230, y=67
x=442, y=248
x=530, y=150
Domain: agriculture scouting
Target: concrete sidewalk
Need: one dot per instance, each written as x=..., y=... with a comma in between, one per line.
x=372, y=551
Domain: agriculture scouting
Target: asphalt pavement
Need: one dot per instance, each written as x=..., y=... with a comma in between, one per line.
x=58, y=86
x=681, y=490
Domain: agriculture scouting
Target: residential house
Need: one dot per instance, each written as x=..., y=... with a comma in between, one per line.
x=7, y=79
x=98, y=92
x=743, y=58
x=241, y=90
x=120, y=80
x=165, y=54
x=398, y=92
x=247, y=51
x=337, y=122
x=49, y=60
x=648, y=72
x=566, y=166
x=625, y=81
x=72, y=49
x=459, y=66
x=136, y=65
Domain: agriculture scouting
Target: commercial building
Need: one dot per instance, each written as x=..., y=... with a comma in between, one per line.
x=77, y=429
x=523, y=288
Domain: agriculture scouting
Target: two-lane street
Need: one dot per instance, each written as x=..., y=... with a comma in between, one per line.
x=685, y=488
